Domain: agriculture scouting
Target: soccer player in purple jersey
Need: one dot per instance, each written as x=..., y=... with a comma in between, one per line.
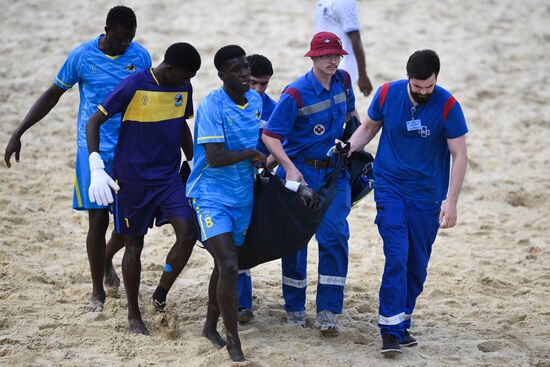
x=154, y=105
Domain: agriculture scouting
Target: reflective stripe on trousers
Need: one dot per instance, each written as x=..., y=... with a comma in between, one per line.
x=332, y=238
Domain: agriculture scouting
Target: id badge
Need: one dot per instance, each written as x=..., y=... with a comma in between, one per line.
x=413, y=125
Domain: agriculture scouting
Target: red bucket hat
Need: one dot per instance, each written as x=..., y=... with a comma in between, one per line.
x=325, y=43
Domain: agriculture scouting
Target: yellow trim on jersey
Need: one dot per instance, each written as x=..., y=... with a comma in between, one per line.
x=151, y=106
x=210, y=137
x=112, y=57
x=154, y=77
x=242, y=107
x=103, y=110
x=77, y=190
x=64, y=84
x=198, y=178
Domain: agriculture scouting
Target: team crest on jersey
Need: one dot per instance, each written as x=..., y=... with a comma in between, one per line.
x=178, y=100
x=258, y=115
x=131, y=68
x=319, y=129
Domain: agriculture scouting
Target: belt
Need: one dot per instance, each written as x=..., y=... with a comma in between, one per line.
x=316, y=163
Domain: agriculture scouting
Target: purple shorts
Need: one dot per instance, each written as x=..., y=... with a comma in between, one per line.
x=136, y=207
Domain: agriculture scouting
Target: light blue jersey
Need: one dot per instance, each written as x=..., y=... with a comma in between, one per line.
x=97, y=75
x=221, y=120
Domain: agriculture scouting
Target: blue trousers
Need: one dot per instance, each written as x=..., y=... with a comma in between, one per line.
x=244, y=289
x=408, y=230
x=332, y=237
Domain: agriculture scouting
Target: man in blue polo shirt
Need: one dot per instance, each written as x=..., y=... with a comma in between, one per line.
x=422, y=128
x=221, y=185
x=307, y=120
x=97, y=66
x=261, y=72
x=154, y=105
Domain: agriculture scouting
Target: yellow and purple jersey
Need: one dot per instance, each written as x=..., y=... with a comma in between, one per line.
x=148, y=149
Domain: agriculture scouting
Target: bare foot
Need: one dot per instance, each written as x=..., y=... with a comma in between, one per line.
x=110, y=278
x=136, y=326
x=236, y=354
x=214, y=337
x=241, y=364
x=96, y=304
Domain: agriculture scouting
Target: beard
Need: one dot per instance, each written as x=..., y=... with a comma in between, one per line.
x=420, y=98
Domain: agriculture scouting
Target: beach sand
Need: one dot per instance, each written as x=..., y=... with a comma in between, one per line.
x=486, y=301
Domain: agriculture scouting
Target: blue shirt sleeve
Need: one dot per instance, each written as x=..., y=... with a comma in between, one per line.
x=209, y=123
x=455, y=126
x=284, y=116
x=119, y=98
x=68, y=74
x=375, y=112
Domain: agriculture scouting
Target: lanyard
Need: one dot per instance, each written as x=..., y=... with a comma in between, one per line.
x=413, y=112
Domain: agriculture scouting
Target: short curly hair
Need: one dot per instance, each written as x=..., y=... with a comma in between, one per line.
x=122, y=15
x=227, y=53
x=183, y=55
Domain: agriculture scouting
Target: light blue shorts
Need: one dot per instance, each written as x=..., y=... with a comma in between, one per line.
x=215, y=218
x=81, y=201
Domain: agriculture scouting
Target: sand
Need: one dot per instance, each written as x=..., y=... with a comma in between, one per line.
x=487, y=297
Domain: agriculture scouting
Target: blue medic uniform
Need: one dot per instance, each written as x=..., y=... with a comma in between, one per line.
x=244, y=281
x=307, y=119
x=97, y=75
x=412, y=177
x=223, y=196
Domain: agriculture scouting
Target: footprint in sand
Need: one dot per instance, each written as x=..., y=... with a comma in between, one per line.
x=490, y=346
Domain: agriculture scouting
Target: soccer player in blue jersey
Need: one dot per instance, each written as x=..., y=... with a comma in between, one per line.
x=221, y=185
x=308, y=118
x=261, y=72
x=97, y=66
x=422, y=128
x=154, y=105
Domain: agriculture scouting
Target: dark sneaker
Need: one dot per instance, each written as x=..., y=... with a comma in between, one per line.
x=245, y=315
x=408, y=341
x=390, y=345
x=326, y=321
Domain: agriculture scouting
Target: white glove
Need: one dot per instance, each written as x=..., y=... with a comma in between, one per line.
x=100, y=182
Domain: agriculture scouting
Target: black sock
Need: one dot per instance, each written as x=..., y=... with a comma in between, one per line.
x=160, y=294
